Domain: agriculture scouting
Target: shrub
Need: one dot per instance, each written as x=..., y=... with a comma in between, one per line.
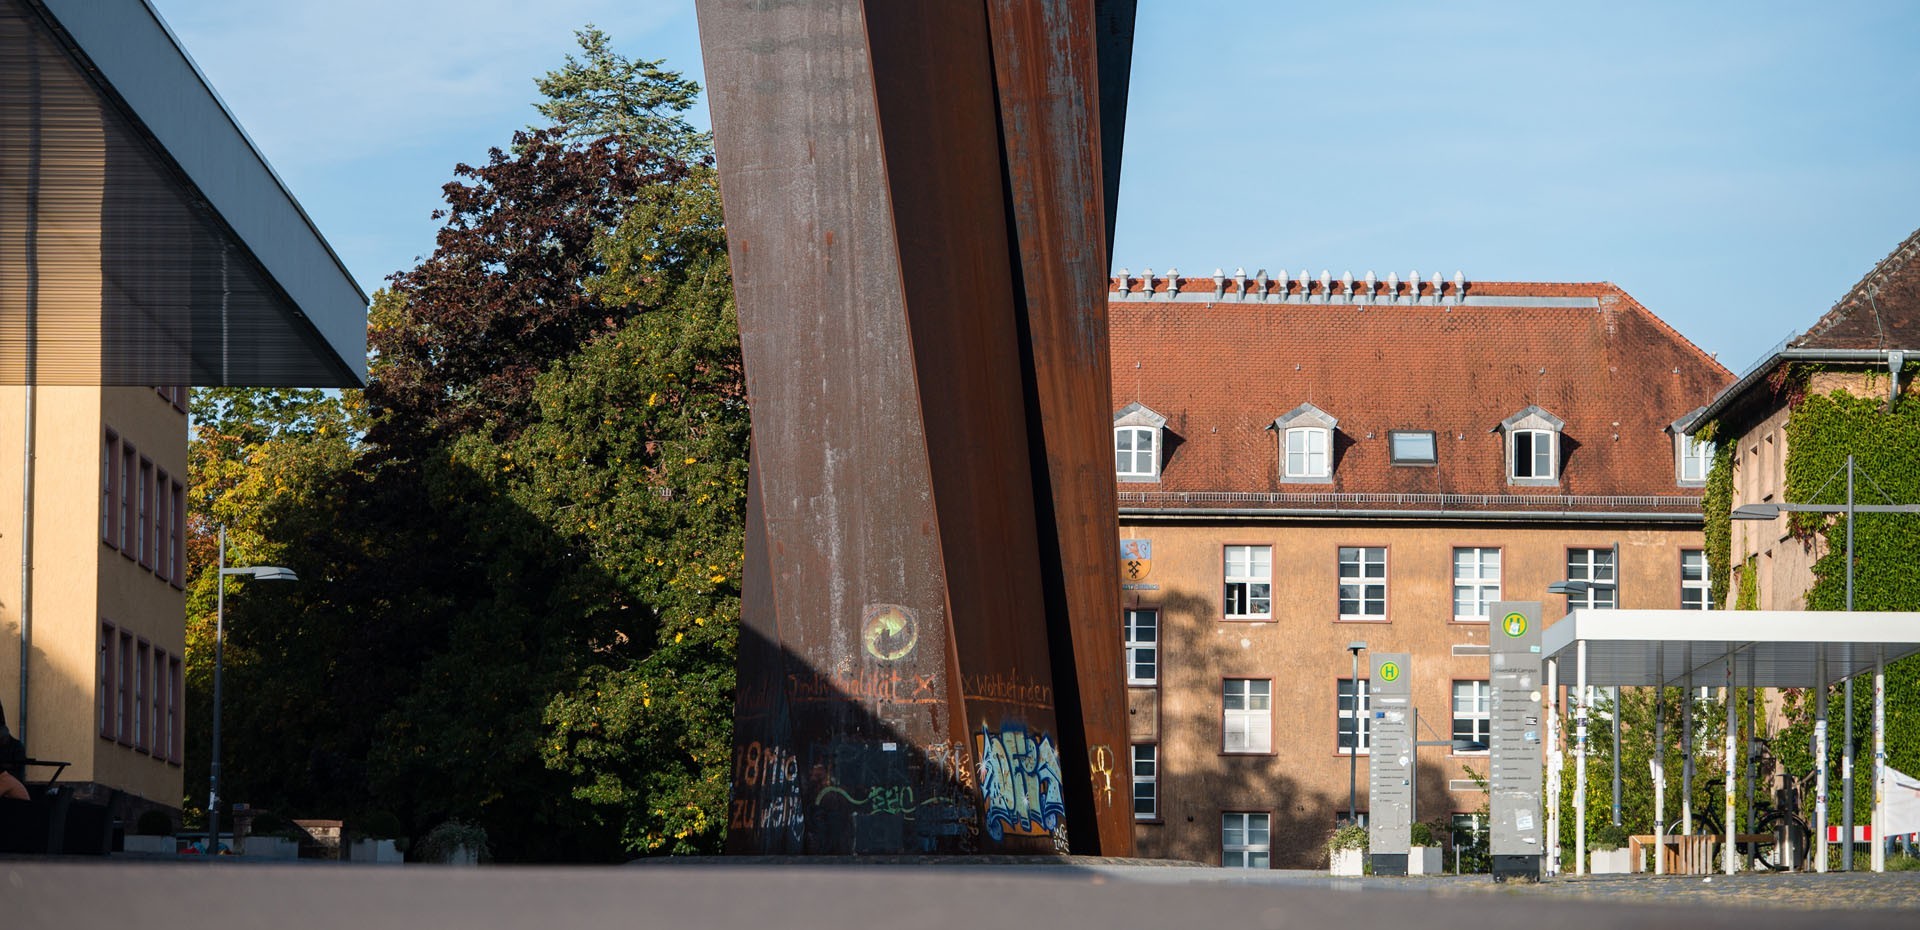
x=1606, y=835
x=1422, y=835
x=382, y=825
x=1348, y=837
x=441, y=841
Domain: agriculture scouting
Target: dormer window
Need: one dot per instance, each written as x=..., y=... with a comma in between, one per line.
x=1306, y=444
x=1692, y=457
x=1136, y=443
x=1533, y=447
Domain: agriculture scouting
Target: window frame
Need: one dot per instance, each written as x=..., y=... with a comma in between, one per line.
x=1134, y=645
x=1589, y=567
x=1479, y=719
x=1363, y=729
x=1307, y=472
x=109, y=487
x=176, y=696
x=108, y=680
x=142, y=682
x=1252, y=717
x=123, y=698
x=1247, y=850
x=1362, y=582
x=1152, y=452
x=1478, y=584
x=1703, y=584
x=1534, y=454
x=1151, y=780
x=178, y=525
x=128, y=474
x=1688, y=451
x=1393, y=448
x=1228, y=580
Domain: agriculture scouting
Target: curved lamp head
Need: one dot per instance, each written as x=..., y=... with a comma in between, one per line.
x=1757, y=512
x=263, y=572
x=1570, y=587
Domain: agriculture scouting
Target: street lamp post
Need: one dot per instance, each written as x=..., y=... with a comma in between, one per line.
x=263, y=573
x=1772, y=512
x=1353, y=750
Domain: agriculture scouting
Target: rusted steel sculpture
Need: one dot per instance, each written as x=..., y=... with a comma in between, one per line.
x=916, y=196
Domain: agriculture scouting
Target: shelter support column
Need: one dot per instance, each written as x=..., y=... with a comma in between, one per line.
x=1552, y=801
x=1879, y=840
x=1686, y=747
x=1729, y=856
x=1659, y=766
x=1580, y=760
x=1820, y=760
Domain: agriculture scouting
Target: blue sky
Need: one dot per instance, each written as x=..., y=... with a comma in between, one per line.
x=1735, y=166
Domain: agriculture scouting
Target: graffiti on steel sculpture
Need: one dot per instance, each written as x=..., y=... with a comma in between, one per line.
x=917, y=201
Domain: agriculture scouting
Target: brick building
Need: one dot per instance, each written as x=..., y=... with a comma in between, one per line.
x=1310, y=463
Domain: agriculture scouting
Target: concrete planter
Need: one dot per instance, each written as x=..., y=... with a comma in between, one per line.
x=380, y=851
x=1425, y=860
x=1349, y=862
x=271, y=847
x=1608, y=862
x=150, y=845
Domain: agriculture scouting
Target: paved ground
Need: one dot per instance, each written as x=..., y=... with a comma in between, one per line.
x=201, y=894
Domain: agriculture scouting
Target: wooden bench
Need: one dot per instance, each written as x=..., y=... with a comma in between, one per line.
x=1688, y=854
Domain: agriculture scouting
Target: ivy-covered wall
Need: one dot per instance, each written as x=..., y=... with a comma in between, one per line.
x=1822, y=430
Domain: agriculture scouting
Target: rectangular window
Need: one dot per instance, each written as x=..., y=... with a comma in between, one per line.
x=1307, y=452
x=1249, y=582
x=1133, y=452
x=109, y=457
x=1695, y=459
x=123, y=535
x=142, y=669
x=1363, y=583
x=1476, y=583
x=162, y=736
x=177, y=743
x=1355, y=729
x=1143, y=649
x=108, y=682
x=1248, y=709
x=1472, y=714
x=143, y=514
x=123, y=698
x=1695, y=593
x=1594, y=566
x=1146, y=781
x=177, y=517
x=1244, y=840
x=1532, y=453
x=157, y=545
x=1412, y=447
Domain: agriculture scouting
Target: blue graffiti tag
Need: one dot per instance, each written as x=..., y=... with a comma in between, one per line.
x=1019, y=781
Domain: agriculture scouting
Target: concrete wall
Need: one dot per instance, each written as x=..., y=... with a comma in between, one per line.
x=1303, y=782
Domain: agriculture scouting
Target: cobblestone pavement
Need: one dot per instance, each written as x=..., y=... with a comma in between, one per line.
x=1804, y=890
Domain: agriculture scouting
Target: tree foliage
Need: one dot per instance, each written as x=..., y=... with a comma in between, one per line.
x=603, y=94
x=520, y=558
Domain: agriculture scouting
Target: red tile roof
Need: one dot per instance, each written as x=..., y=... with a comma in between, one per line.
x=1880, y=312
x=1221, y=372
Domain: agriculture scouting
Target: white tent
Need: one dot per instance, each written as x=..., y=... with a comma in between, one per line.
x=1766, y=649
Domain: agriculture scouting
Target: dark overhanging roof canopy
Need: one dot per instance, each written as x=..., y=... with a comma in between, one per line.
x=143, y=239
x=1768, y=648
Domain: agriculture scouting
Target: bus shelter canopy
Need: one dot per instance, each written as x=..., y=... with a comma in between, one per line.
x=1768, y=648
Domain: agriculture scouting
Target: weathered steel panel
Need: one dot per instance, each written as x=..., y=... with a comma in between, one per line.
x=918, y=592
x=858, y=592
x=1046, y=67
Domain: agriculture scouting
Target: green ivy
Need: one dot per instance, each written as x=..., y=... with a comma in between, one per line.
x=1821, y=432
x=1716, y=505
